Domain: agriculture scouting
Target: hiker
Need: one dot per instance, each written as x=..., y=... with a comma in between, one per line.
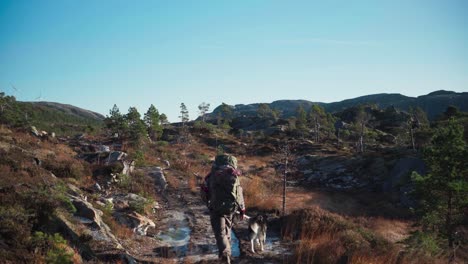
x=222, y=192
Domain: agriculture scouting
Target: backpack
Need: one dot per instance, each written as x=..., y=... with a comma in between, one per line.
x=224, y=188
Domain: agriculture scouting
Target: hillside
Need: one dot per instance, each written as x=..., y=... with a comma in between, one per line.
x=128, y=199
x=433, y=104
x=61, y=119
x=70, y=110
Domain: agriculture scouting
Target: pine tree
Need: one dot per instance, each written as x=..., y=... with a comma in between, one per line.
x=115, y=122
x=318, y=118
x=443, y=192
x=203, y=109
x=184, y=114
x=153, y=123
x=225, y=116
x=136, y=126
x=301, y=118
x=163, y=119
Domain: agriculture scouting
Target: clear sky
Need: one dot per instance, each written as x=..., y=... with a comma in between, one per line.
x=93, y=54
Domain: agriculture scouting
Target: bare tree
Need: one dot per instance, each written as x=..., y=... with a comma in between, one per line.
x=362, y=118
x=285, y=166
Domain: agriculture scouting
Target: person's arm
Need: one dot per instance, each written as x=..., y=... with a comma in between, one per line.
x=240, y=199
x=205, y=190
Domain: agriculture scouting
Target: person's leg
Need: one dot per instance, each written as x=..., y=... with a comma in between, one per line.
x=220, y=230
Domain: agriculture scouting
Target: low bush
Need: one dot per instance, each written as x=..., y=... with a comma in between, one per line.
x=53, y=247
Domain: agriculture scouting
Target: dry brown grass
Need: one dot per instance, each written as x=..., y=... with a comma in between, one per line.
x=258, y=195
x=192, y=183
x=394, y=230
x=329, y=238
x=119, y=230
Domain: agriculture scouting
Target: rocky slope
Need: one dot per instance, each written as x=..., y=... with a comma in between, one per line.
x=433, y=104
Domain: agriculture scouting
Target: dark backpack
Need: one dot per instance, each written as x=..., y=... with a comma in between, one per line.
x=224, y=186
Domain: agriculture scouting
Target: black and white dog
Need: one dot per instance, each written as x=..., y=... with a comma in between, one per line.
x=257, y=231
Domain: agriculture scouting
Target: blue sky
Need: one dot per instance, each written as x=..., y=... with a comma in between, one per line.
x=93, y=54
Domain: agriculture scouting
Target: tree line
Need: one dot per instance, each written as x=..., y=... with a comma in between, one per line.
x=133, y=127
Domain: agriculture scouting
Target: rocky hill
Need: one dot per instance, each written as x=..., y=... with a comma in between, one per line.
x=62, y=119
x=70, y=110
x=433, y=103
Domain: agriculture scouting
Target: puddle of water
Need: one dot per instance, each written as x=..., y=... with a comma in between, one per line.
x=176, y=237
x=235, y=249
x=274, y=244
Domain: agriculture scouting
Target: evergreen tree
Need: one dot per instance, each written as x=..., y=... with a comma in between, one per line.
x=153, y=123
x=203, y=109
x=163, y=119
x=264, y=111
x=136, y=126
x=225, y=115
x=184, y=114
x=115, y=122
x=318, y=118
x=443, y=192
x=301, y=118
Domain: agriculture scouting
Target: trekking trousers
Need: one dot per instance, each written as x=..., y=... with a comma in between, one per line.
x=222, y=225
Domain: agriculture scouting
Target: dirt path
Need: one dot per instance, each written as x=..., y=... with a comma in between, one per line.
x=184, y=233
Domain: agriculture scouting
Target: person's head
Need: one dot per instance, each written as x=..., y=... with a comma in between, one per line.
x=224, y=160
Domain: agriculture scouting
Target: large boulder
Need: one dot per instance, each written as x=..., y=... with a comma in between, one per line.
x=86, y=210
x=116, y=156
x=88, y=215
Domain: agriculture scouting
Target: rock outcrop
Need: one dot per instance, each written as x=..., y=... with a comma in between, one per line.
x=158, y=174
x=89, y=216
x=137, y=222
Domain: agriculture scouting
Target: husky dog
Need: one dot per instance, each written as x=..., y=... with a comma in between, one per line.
x=257, y=231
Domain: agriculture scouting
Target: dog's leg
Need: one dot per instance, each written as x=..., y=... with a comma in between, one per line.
x=263, y=239
x=252, y=245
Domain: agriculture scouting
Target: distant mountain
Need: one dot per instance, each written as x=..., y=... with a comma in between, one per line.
x=433, y=103
x=62, y=119
x=71, y=110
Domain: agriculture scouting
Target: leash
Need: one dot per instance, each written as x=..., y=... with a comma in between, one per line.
x=246, y=217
